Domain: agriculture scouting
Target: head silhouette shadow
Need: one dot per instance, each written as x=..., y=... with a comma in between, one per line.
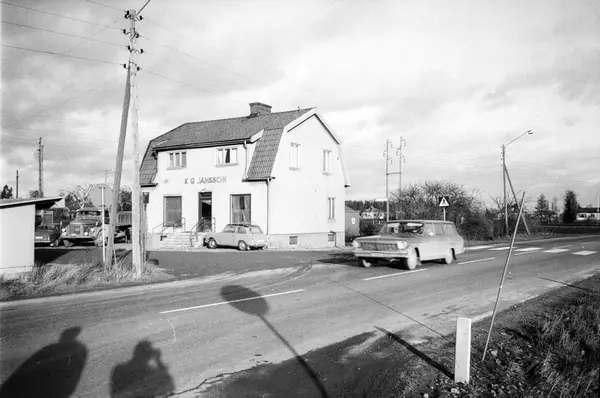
x=252, y=303
x=144, y=375
x=53, y=371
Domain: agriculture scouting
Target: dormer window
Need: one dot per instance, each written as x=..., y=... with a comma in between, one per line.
x=177, y=160
x=227, y=156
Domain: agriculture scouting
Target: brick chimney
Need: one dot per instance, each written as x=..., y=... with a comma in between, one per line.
x=258, y=108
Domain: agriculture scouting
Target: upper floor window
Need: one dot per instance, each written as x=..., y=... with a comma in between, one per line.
x=227, y=156
x=177, y=160
x=326, y=161
x=294, y=155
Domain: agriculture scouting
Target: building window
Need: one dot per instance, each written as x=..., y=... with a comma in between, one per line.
x=294, y=155
x=293, y=240
x=331, y=237
x=177, y=160
x=326, y=161
x=240, y=209
x=331, y=202
x=227, y=156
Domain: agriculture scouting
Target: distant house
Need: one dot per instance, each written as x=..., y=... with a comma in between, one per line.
x=352, y=223
x=588, y=213
x=373, y=214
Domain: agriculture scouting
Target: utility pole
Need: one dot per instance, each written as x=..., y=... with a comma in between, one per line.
x=17, y=195
x=504, y=190
x=388, y=145
x=401, y=159
x=106, y=175
x=516, y=201
x=40, y=152
x=130, y=86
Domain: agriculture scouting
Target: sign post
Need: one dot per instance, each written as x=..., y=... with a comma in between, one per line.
x=443, y=203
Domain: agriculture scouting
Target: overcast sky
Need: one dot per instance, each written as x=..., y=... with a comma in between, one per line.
x=455, y=79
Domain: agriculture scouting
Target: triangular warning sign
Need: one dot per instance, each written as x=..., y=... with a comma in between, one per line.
x=444, y=202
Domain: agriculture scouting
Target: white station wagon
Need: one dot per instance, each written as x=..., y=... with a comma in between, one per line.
x=410, y=241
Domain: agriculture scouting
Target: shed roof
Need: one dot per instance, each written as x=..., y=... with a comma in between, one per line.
x=40, y=203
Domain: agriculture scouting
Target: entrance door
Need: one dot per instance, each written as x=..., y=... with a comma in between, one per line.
x=204, y=211
x=173, y=211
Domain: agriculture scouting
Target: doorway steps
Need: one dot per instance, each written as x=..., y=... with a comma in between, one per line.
x=182, y=240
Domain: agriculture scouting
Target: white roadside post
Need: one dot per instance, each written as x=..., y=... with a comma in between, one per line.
x=462, y=361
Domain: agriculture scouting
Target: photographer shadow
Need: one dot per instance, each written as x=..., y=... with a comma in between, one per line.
x=144, y=375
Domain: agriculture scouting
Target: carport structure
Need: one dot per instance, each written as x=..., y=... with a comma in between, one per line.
x=17, y=233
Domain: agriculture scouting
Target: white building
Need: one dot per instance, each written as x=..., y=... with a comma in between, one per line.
x=282, y=171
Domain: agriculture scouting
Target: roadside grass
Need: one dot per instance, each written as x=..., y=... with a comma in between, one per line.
x=51, y=279
x=549, y=346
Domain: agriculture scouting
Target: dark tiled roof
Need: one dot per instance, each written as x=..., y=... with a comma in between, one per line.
x=212, y=133
x=264, y=155
x=588, y=210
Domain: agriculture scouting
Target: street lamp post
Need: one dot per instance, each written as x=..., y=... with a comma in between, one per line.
x=504, y=178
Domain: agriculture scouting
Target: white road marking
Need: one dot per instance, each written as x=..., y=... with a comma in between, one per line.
x=559, y=247
x=556, y=250
x=232, y=301
x=585, y=253
x=396, y=274
x=529, y=252
x=479, y=247
x=501, y=248
x=476, y=261
x=528, y=249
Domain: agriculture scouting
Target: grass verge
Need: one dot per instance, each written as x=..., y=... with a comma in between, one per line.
x=52, y=279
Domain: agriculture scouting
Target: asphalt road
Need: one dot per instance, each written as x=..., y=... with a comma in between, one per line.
x=204, y=329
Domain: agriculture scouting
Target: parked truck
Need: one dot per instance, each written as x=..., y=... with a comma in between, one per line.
x=87, y=227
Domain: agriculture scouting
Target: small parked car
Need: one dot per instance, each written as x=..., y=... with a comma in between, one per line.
x=410, y=242
x=48, y=234
x=242, y=236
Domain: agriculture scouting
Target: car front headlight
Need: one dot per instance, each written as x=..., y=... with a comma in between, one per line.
x=356, y=244
x=402, y=245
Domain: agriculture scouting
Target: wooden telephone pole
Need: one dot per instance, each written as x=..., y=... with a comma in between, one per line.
x=40, y=153
x=130, y=91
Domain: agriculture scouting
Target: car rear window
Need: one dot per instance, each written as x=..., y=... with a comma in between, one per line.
x=449, y=229
x=256, y=230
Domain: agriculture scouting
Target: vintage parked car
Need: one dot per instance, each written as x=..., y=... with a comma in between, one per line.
x=242, y=236
x=410, y=242
x=48, y=234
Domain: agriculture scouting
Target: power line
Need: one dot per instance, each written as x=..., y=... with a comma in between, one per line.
x=56, y=15
x=61, y=33
x=62, y=102
x=60, y=55
x=105, y=5
x=64, y=53
x=190, y=86
x=203, y=61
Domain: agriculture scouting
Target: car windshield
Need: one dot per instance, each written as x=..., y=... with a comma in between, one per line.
x=402, y=228
x=256, y=229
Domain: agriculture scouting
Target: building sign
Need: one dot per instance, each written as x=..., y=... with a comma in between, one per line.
x=205, y=180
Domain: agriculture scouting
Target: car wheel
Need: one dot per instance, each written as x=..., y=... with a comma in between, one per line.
x=449, y=257
x=55, y=243
x=411, y=261
x=212, y=244
x=363, y=262
x=67, y=243
x=242, y=246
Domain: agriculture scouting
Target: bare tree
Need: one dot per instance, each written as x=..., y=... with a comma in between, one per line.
x=80, y=194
